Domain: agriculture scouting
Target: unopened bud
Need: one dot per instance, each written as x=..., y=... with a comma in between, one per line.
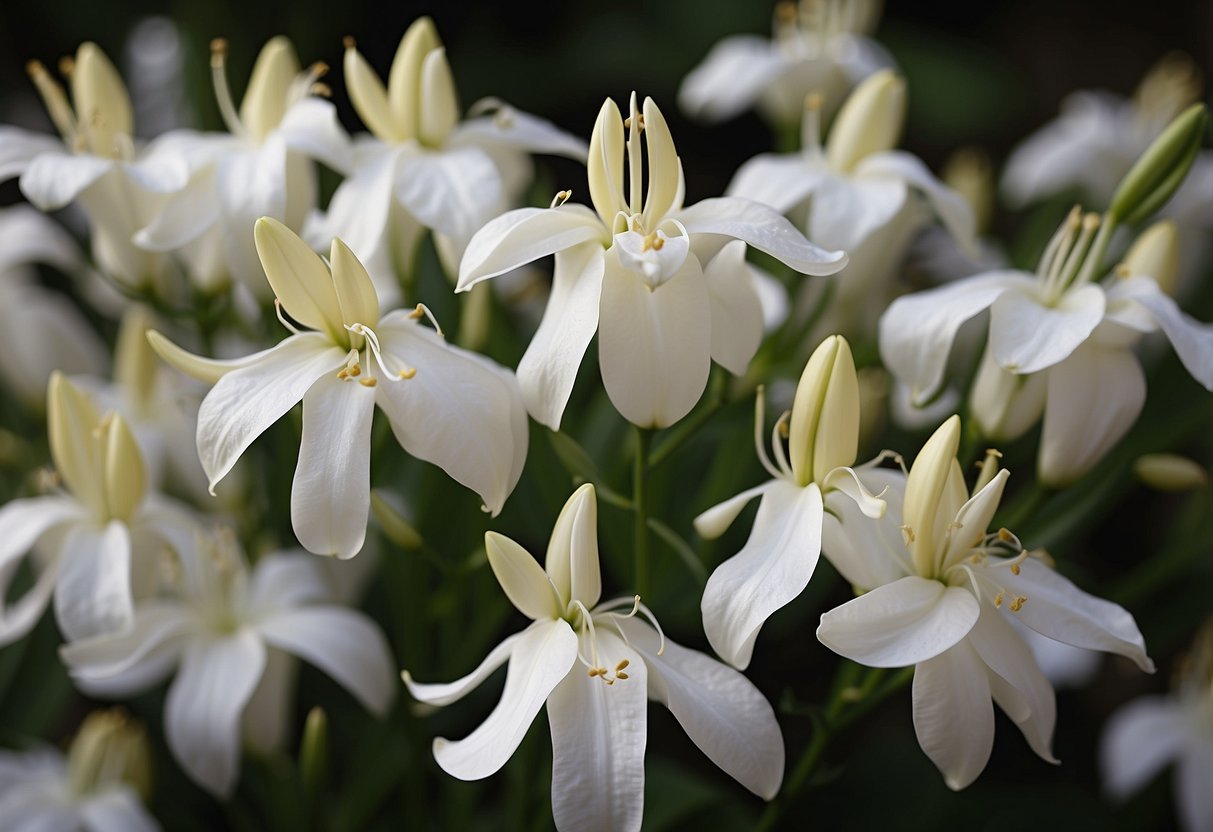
x=824, y=430
x=314, y=752
x=72, y=422
x=405, y=78
x=109, y=748
x=393, y=522
x=1155, y=253
x=264, y=102
x=869, y=122
x=925, y=489
x=1161, y=169
x=969, y=173
x=1170, y=472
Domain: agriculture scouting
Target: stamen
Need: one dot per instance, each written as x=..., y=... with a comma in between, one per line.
x=779, y=431
x=1070, y=268
x=634, y=125
x=348, y=42
x=1060, y=238
x=561, y=198
x=367, y=382
x=55, y=100
x=282, y=318
x=759, y=445
x=810, y=124
x=223, y=94
x=1018, y=603
x=422, y=309
x=67, y=65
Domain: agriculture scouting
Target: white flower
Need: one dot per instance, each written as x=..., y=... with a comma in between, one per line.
x=779, y=558
x=421, y=167
x=858, y=194
x=95, y=548
x=822, y=46
x=227, y=635
x=595, y=665
x=1059, y=344
x=263, y=168
x=660, y=283
x=937, y=593
x=1152, y=731
x=96, y=789
x=446, y=406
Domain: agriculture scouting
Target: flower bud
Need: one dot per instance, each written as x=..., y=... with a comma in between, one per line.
x=72, y=422
x=103, y=108
x=264, y=102
x=125, y=479
x=869, y=122
x=109, y=748
x=314, y=751
x=1170, y=472
x=928, y=506
x=393, y=522
x=405, y=77
x=1161, y=169
x=824, y=431
x=1155, y=253
x=968, y=172
x=1006, y=405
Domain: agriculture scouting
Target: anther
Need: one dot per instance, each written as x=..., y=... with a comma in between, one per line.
x=1004, y=534
x=348, y=42
x=592, y=672
x=318, y=69
x=355, y=370
x=322, y=90
x=1018, y=603
x=622, y=665
x=1015, y=570
x=998, y=600
x=34, y=68
x=367, y=382
x=405, y=375
x=814, y=101
x=67, y=65
x=560, y=199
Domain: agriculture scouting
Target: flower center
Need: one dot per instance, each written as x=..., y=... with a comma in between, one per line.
x=1000, y=544
x=587, y=624
x=1061, y=266
x=93, y=131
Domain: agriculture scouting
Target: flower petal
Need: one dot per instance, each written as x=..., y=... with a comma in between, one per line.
x=974, y=518
x=771, y=569
x=846, y=211
x=541, y=658
x=522, y=579
x=737, y=319
x=345, y=644
x=19, y=147
x=953, y=717
x=128, y=663
x=298, y=277
x=781, y=181
x=209, y=370
x=1192, y=340
x=731, y=78
x=331, y=492
x=451, y=191
x=524, y=235
x=93, y=592
x=599, y=733
x=252, y=184
x=951, y=208
x=1139, y=740
x=204, y=705
x=184, y=217
x=270, y=710
x=115, y=810
x=1027, y=336
x=28, y=236
x=1192, y=787
x=867, y=554
x=52, y=180
x=516, y=130
x=712, y=523
x=282, y=581
x=906, y=622
x=445, y=694
x=654, y=345
x=311, y=127
x=763, y=228
x=572, y=555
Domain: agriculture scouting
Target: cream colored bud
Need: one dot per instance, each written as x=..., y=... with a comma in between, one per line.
x=1004, y=404
x=1155, y=253
x=926, y=489
x=869, y=122
x=125, y=479
x=314, y=752
x=109, y=748
x=369, y=98
x=1170, y=472
x=393, y=522
x=968, y=172
x=265, y=100
x=824, y=430
x=76, y=449
x=299, y=278
x=439, y=100
x=135, y=363
x=404, y=79
x=103, y=108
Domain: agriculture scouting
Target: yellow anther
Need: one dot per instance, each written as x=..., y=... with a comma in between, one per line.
x=219, y=46
x=355, y=370
x=627, y=122
x=621, y=675
x=367, y=382
x=636, y=223
x=908, y=534
x=67, y=64
x=417, y=313
x=1005, y=535
x=1123, y=272
x=343, y=374
x=609, y=681
x=785, y=12
x=34, y=68
x=318, y=69
x=1018, y=603
x=323, y=90
x=405, y=375
x=814, y=101
x=592, y=672
x=622, y=665
x=348, y=42
x=1015, y=569
x=560, y=199
x=994, y=452
x=998, y=600
x=784, y=430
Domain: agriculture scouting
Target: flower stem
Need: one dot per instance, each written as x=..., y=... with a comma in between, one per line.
x=640, y=576
x=718, y=398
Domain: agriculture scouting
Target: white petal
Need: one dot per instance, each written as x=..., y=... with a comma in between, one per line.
x=737, y=318
x=974, y=518
x=599, y=733
x=953, y=717
x=1005, y=405
x=1058, y=609
x=19, y=617
x=311, y=127
x=517, y=130
x=249, y=399
x=204, y=705
x=270, y=710
x=549, y=366
x=52, y=180
x=917, y=330
x=251, y=184
x=781, y=181
x=846, y=211
x=721, y=710
x=345, y=644
x=445, y=694
x=763, y=228
x=209, y=370
x=712, y=523
x=455, y=412
x=184, y=217
x=519, y=237
x=23, y=521
x=19, y=147
x=331, y=493
x=654, y=263
x=126, y=664
x=1139, y=740
x=1192, y=787
x=522, y=579
x=93, y=592
x=1192, y=340
x=867, y=554
x=1027, y=336
x=654, y=344
x=1094, y=397
x=282, y=581
x=28, y=236
x=542, y=656
x=951, y=208
x=771, y=569
x=572, y=555
x=117, y=809
x=906, y=622
x=731, y=78
x=451, y=191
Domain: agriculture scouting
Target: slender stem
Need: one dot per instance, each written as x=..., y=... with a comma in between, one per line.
x=640, y=577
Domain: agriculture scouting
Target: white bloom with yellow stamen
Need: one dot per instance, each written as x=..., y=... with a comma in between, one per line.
x=662, y=285
x=936, y=593
x=595, y=664
x=453, y=408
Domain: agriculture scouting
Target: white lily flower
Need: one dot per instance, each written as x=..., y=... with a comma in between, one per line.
x=779, y=558
x=94, y=547
x=818, y=46
x=660, y=284
x=595, y=665
x=94, y=164
x=40, y=330
x=229, y=637
x=99, y=787
x=859, y=194
x=937, y=593
x=261, y=167
x=453, y=408
x=1059, y=344
x=1150, y=732
x=421, y=167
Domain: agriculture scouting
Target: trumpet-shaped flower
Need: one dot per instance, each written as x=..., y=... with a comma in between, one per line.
x=261, y=167
x=659, y=283
x=95, y=546
x=421, y=167
x=778, y=560
x=818, y=46
x=227, y=635
x=446, y=406
x=595, y=664
x=1059, y=344
x=937, y=591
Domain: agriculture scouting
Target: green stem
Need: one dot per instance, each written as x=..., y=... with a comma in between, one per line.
x=640, y=576
x=718, y=398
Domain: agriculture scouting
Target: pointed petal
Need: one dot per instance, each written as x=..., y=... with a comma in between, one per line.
x=548, y=368
x=126, y=664
x=355, y=291
x=445, y=694
x=847, y=481
x=867, y=554
x=299, y=278
x=604, y=165
x=360, y=209
x=93, y=594
x=439, y=105
x=268, y=86
x=522, y=236
x=522, y=579
x=369, y=97
x=542, y=657
x=773, y=567
x=453, y=191
x=52, y=180
x=1027, y=336
x=852, y=210
x=209, y=370
x=248, y=400
x=721, y=710
x=1138, y=741
x=204, y=704
x=283, y=581
x=572, y=556
x=19, y=147
x=712, y=523
x=953, y=717
x=345, y=644
x=781, y=181
x=24, y=520
x=763, y=228
x=516, y=130
x=736, y=325
x=311, y=127
x=974, y=518
x=664, y=170
x=1192, y=340
x=331, y=492
x=906, y=622
x=599, y=733
x=731, y=78
x=917, y=330
x=951, y=208
x=654, y=345
x=252, y=184
x=404, y=77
